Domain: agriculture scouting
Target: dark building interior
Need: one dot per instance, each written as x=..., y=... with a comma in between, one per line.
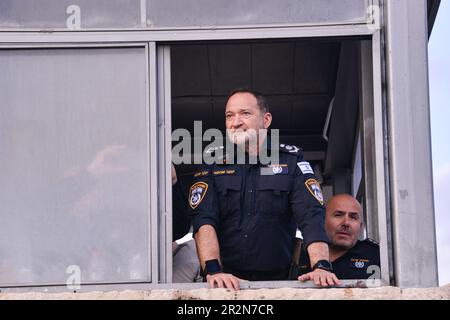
x=312, y=87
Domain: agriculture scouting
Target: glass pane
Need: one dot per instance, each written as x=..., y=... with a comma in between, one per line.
x=136, y=14
x=74, y=165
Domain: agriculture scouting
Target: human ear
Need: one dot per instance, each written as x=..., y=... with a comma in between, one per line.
x=267, y=120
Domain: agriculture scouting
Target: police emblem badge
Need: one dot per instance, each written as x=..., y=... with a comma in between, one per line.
x=314, y=188
x=274, y=169
x=197, y=193
x=277, y=169
x=360, y=263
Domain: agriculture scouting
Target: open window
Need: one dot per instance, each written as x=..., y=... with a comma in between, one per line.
x=315, y=90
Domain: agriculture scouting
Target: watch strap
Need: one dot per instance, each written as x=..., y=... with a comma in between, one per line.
x=212, y=267
x=324, y=265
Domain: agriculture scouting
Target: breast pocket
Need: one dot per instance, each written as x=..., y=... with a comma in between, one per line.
x=229, y=195
x=273, y=195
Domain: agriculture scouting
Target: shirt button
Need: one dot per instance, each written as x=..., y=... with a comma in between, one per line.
x=250, y=191
x=246, y=236
x=249, y=214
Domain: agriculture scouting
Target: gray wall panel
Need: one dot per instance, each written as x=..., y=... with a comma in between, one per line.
x=210, y=13
x=53, y=14
x=151, y=14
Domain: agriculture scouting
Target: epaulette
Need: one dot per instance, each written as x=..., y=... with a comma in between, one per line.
x=371, y=242
x=291, y=149
x=212, y=150
x=221, y=157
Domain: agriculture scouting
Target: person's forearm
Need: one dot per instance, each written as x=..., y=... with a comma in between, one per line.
x=207, y=244
x=318, y=251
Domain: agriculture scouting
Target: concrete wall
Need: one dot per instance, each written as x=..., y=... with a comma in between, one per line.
x=382, y=293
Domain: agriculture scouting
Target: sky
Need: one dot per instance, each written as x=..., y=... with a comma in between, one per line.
x=439, y=69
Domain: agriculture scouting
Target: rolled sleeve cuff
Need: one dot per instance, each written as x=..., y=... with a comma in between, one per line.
x=311, y=235
x=199, y=221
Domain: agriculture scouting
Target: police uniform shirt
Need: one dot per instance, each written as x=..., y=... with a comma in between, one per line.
x=255, y=209
x=354, y=264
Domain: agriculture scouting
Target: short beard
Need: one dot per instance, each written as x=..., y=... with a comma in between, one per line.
x=339, y=247
x=243, y=138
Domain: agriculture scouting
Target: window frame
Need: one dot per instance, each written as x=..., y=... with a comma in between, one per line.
x=159, y=106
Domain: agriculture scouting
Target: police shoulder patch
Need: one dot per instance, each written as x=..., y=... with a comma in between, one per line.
x=313, y=187
x=197, y=193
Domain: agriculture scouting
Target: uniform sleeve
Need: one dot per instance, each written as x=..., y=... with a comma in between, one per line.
x=202, y=200
x=307, y=204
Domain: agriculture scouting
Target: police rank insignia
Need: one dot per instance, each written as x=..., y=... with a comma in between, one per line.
x=197, y=193
x=314, y=188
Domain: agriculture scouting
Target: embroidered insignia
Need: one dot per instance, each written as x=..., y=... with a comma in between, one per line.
x=360, y=263
x=277, y=169
x=201, y=173
x=289, y=148
x=197, y=193
x=274, y=169
x=224, y=172
x=305, y=167
x=212, y=149
x=314, y=188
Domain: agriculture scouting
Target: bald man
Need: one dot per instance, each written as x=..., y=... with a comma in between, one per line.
x=350, y=257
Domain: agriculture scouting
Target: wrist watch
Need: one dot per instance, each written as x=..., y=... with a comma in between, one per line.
x=324, y=265
x=213, y=267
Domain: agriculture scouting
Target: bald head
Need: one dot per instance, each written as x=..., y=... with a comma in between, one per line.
x=343, y=221
x=344, y=200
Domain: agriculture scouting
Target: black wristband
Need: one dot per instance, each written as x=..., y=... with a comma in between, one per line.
x=324, y=265
x=213, y=267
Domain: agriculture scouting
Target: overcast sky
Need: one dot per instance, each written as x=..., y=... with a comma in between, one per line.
x=439, y=60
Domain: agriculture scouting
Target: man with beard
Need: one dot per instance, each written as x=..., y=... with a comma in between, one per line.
x=351, y=258
x=245, y=215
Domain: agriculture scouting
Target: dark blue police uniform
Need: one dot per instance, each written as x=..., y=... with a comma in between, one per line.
x=354, y=264
x=255, y=210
